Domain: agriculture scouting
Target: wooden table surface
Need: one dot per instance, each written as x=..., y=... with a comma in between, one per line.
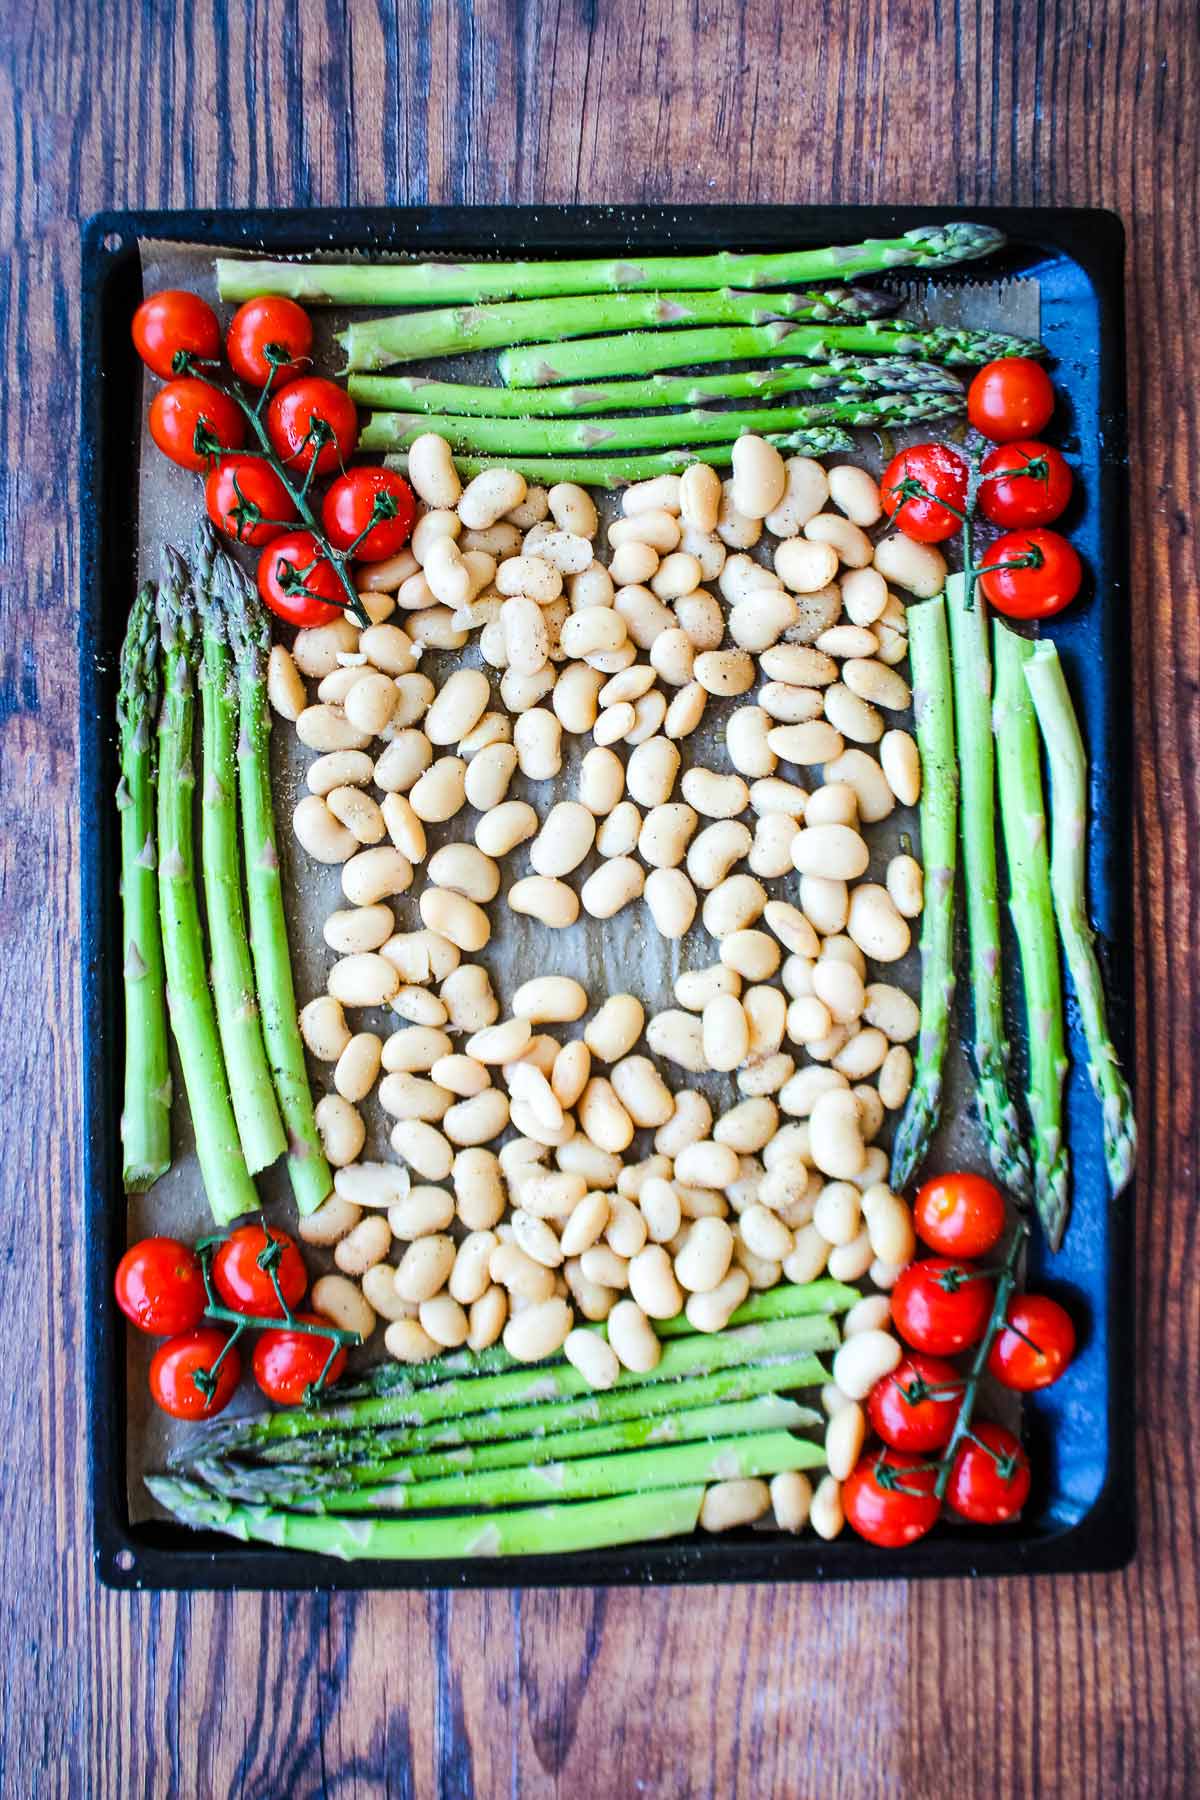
x=1079, y=1687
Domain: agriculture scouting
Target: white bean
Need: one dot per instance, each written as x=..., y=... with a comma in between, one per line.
x=671, y=899
x=595, y=1359
x=703, y=1261
x=844, y=1438
x=806, y=490
x=700, y=497
x=362, y=1248
x=863, y=1360
x=330, y=1222
x=609, y=888
x=285, y=688
x=632, y=1337
x=728, y=1504
x=920, y=568
x=487, y=498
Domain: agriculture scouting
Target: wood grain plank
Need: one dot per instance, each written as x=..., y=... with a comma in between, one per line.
x=1081, y=1686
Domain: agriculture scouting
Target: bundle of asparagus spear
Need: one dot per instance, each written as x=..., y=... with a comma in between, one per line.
x=237, y=1039
x=482, y=1432
x=971, y=731
x=548, y=320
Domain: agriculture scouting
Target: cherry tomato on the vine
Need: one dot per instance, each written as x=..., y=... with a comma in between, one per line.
x=888, y=1498
x=989, y=1482
x=942, y=474
x=189, y=406
x=179, y=1361
x=315, y=595
x=1025, y=483
x=1011, y=398
x=1031, y=574
x=313, y=419
x=269, y=322
x=175, y=321
x=242, y=494
x=959, y=1214
x=242, y=1268
x=354, y=499
x=159, y=1286
x=914, y=1408
x=941, y=1306
x=1035, y=1344
x=288, y=1363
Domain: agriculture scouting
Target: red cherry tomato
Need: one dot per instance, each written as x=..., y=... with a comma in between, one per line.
x=1034, y=1346
x=314, y=596
x=353, y=501
x=989, y=1482
x=313, y=404
x=241, y=1271
x=173, y=322
x=888, y=1498
x=914, y=1408
x=241, y=494
x=178, y=1363
x=288, y=1363
x=959, y=1214
x=1009, y=399
x=941, y=1306
x=1030, y=484
x=269, y=323
x=188, y=406
x=942, y=473
x=159, y=1286
x=1046, y=577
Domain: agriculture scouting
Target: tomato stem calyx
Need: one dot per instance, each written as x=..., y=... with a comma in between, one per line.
x=205, y=1380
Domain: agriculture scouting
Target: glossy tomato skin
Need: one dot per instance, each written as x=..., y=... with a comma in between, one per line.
x=322, y=596
x=959, y=1214
x=943, y=473
x=348, y=507
x=176, y=1362
x=886, y=1515
x=989, y=1483
x=1038, y=1348
x=291, y=413
x=159, y=1286
x=941, y=1306
x=1031, y=593
x=1012, y=497
x=288, y=1363
x=179, y=408
x=1011, y=398
x=269, y=320
x=244, y=1285
x=171, y=321
x=247, y=482
x=902, y=1417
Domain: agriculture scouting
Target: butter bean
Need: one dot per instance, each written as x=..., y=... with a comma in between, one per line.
x=611, y=887
x=671, y=899
x=440, y=792
x=632, y=1338
x=566, y=837
x=508, y=824
x=547, y=899
x=806, y=489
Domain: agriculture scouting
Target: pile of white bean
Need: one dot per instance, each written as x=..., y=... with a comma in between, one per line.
x=558, y=1222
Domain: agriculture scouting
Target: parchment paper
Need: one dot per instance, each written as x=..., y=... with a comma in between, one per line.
x=623, y=954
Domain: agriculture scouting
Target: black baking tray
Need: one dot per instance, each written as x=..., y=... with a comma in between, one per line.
x=1080, y=1516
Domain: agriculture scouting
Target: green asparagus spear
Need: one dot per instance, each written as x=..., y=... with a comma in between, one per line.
x=414, y=393
x=297, y=1484
x=619, y=471
x=250, y=638
x=424, y=283
x=1068, y=878
x=790, y=1300
x=531, y=1531
x=933, y=708
x=499, y=437
x=779, y=1375
x=972, y=668
x=637, y=1471
x=699, y=1355
x=415, y=337
x=223, y=1166
x=146, y=1113
x=1023, y=817
x=642, y=352
x=232, y=970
